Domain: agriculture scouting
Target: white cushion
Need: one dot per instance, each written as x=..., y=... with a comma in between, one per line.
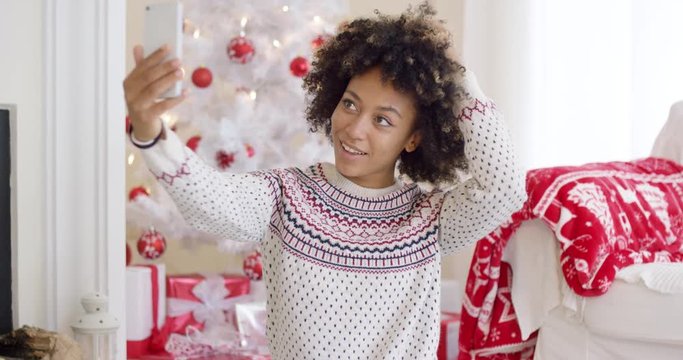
x=633, y=311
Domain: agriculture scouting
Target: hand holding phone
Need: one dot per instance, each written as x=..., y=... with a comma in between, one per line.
x=164, y=26
x=154, y=85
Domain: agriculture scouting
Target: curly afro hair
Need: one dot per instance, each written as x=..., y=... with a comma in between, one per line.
x=412, y=52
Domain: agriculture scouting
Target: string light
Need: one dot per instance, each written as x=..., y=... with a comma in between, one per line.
x=276, y=43
x=131, y=159
x=243, y=24
x=317, y=19
x=196, y=34
x=252, y=95
x=285, y=8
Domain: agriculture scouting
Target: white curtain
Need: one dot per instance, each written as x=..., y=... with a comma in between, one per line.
x=578, y=81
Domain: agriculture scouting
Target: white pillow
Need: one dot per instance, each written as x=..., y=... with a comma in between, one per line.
x=669, y=143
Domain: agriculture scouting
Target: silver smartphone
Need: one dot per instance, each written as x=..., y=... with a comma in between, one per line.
x=164, y=25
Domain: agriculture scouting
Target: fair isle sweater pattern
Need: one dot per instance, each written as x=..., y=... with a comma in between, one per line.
x=323, y=224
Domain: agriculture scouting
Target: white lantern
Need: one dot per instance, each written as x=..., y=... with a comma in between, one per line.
x=95, y=331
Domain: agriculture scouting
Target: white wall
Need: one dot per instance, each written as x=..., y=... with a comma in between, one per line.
x=21, y=39
x=658, y=57
x=573, y=89
x=62, y=64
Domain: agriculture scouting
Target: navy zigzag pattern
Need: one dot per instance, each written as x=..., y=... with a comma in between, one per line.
x=292, y=221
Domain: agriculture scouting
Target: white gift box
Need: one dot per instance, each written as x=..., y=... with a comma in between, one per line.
x=139, y=302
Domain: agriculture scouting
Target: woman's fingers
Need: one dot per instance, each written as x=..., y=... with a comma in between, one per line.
x=161, y=107
x=150, y=78
x=159, y=71
x=143, y=65
x=138, y=84
x=147, y=71
x=154, y=89
x=153, y=59
x=138, y=54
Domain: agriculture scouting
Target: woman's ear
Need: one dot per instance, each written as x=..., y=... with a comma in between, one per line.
x=413, y=141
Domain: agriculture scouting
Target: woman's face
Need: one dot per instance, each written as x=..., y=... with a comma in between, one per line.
x=371, y=125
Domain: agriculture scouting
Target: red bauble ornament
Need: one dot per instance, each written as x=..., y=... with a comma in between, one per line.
x=240, y=50
x=252, y=266
x=202, y=77
x=129, y=254
x=299, y=66
x=151, y=244
x=319, y=41
x=137, y=191
x=224, y=159
x=250, y=150
x=193, y=142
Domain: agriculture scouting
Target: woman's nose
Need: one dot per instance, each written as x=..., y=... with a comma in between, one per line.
x=357, y=127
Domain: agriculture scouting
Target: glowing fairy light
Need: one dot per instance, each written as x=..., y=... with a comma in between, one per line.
x=196, y=34
x=131, y=159
x=243, y=24
x=252, y=95
x=317, y=19
x=285, y=8
x=276, y=43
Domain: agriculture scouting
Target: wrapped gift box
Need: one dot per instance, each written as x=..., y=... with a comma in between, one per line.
x=448, y=339
x=251, y=323
x=145, y=306
x=195, y=299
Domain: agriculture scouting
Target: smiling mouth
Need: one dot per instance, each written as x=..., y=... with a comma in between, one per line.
x=351, y=150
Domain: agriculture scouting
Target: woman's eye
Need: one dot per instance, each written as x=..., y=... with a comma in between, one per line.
x=349, y=104
x=382, y=121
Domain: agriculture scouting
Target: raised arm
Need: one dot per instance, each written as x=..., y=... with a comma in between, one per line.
x=496, y=189
x=232, y=206
x=236, y=207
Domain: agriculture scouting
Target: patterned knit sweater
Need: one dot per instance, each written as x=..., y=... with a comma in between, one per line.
x=351, y=272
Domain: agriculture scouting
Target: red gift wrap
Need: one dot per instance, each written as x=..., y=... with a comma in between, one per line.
x=188, y=288
x=448, y=338
x=145, y=309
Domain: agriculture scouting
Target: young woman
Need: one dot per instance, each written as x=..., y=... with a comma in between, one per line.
x=351, y=253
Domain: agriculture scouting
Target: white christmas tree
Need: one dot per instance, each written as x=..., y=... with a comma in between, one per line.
x=244, y=62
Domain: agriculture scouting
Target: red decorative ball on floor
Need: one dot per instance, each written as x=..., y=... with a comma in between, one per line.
x=224, y=159
x=129, y=254
x=193, y=142
x=202, y=77
x=252, y=266
x=241, y=50
x=137, y=191
x=299, y=66
x=151, y=244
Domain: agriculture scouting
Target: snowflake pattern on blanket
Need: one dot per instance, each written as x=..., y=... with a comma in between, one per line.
x=605, y=216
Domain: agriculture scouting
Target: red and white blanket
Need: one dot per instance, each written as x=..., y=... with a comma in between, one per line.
x=605, y=216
